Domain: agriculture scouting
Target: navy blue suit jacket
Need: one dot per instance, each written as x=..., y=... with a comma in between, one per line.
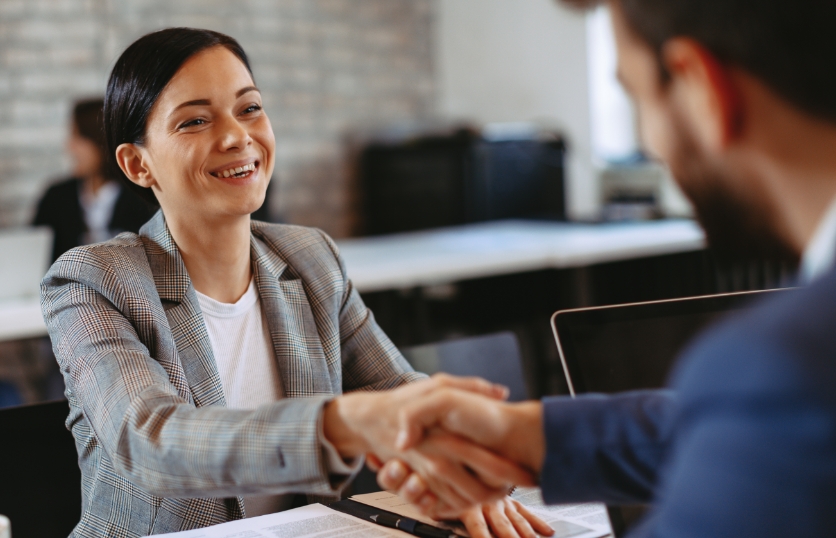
x=742, y=444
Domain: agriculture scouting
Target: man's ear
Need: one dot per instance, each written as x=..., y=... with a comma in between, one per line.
x=705, y=91
x=133, y=164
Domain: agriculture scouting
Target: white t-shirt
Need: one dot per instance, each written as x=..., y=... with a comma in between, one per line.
x=247, y=366
x=250, y=376
x=98, y=211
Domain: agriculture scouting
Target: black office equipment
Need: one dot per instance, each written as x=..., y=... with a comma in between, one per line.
x=440, y=181
x=40, y=481
x=629, y=347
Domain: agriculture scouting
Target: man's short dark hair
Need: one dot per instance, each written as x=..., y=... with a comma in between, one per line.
x=790, y=45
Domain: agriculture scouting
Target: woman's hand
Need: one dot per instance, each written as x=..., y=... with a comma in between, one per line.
x=506, y=518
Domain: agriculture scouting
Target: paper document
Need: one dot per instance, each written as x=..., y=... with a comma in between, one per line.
x=590, y=515
x=313, y=521
x=568, y=521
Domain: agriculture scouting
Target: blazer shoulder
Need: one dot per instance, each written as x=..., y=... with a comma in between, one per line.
x=101, y=263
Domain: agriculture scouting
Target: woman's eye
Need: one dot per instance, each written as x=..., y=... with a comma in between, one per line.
x=192, y=123
x=252, y=108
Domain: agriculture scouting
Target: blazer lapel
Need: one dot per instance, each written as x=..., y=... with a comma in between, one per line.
x=298, y=347
x=183, y=312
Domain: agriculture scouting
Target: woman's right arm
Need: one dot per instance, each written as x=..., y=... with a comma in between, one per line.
x=152, y=434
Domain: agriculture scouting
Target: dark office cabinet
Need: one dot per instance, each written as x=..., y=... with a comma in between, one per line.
x=443, y=181
x=517, y=179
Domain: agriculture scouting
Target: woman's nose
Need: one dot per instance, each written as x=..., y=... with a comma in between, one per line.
x=233, y=135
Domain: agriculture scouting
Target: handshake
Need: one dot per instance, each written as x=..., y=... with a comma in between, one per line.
x=445, y=444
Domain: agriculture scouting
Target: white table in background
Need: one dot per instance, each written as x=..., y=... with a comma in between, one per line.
x=487, y=249
x=448, y=255
x=21, y=318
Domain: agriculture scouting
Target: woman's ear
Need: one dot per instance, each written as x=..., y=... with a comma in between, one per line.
x=131, y=160
x=705, y=91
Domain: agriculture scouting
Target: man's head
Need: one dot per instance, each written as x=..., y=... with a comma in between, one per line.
x=703, y=73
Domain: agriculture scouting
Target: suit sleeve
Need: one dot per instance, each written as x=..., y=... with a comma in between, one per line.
x=370, y=359
x=154, y=437
x=605, y=448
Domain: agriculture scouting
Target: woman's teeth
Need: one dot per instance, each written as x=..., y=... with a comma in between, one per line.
x=238, y=171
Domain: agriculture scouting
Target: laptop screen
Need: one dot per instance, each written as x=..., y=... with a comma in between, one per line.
x=630, y=347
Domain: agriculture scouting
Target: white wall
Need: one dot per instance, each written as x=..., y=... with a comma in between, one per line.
x=520, y=60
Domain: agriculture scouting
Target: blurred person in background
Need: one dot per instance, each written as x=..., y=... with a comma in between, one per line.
x=91, y=206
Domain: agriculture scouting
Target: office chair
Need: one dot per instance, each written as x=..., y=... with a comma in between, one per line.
x=40, y=489
x=495, y=357
x=9, y=395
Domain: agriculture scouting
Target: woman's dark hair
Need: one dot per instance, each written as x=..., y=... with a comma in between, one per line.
x=139, y=77
x=87, y=119
x=789, y=45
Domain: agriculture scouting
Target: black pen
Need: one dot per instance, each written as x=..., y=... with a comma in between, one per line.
x=391, y=520
x=412, y=526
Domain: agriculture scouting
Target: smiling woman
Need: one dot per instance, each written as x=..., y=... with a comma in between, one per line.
x=206, y=357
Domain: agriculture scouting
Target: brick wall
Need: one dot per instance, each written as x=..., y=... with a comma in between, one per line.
x=326, y=67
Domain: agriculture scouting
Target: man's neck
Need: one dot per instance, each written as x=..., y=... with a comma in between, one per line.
x=790, y=157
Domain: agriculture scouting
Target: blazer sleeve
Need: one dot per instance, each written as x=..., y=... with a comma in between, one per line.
x=370, y=361
x=605, y=448
x=154, y=437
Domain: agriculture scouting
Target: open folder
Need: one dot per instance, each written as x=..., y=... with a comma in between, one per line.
x=318, y=521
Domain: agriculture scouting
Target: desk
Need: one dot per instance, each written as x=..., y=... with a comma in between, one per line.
x=21, y=318
x=487, y=249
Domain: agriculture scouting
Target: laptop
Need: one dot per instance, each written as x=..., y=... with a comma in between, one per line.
x=24, y=259
x=619, y=348
x=626, y=347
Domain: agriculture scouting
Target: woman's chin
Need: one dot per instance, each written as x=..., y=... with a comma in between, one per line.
x=248, y=207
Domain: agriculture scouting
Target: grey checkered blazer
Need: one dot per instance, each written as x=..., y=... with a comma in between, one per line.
x=158, y=450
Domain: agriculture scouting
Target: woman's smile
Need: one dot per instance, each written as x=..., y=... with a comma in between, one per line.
x=237, y=173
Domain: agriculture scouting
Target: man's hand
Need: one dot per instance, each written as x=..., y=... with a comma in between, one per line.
x=514, y=431
x=460, y=473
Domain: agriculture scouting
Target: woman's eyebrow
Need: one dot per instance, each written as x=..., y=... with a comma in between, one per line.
x=242, y=91
x=207, y=102
x=196, y=102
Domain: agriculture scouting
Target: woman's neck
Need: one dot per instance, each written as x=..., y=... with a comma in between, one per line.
x=216, y=255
